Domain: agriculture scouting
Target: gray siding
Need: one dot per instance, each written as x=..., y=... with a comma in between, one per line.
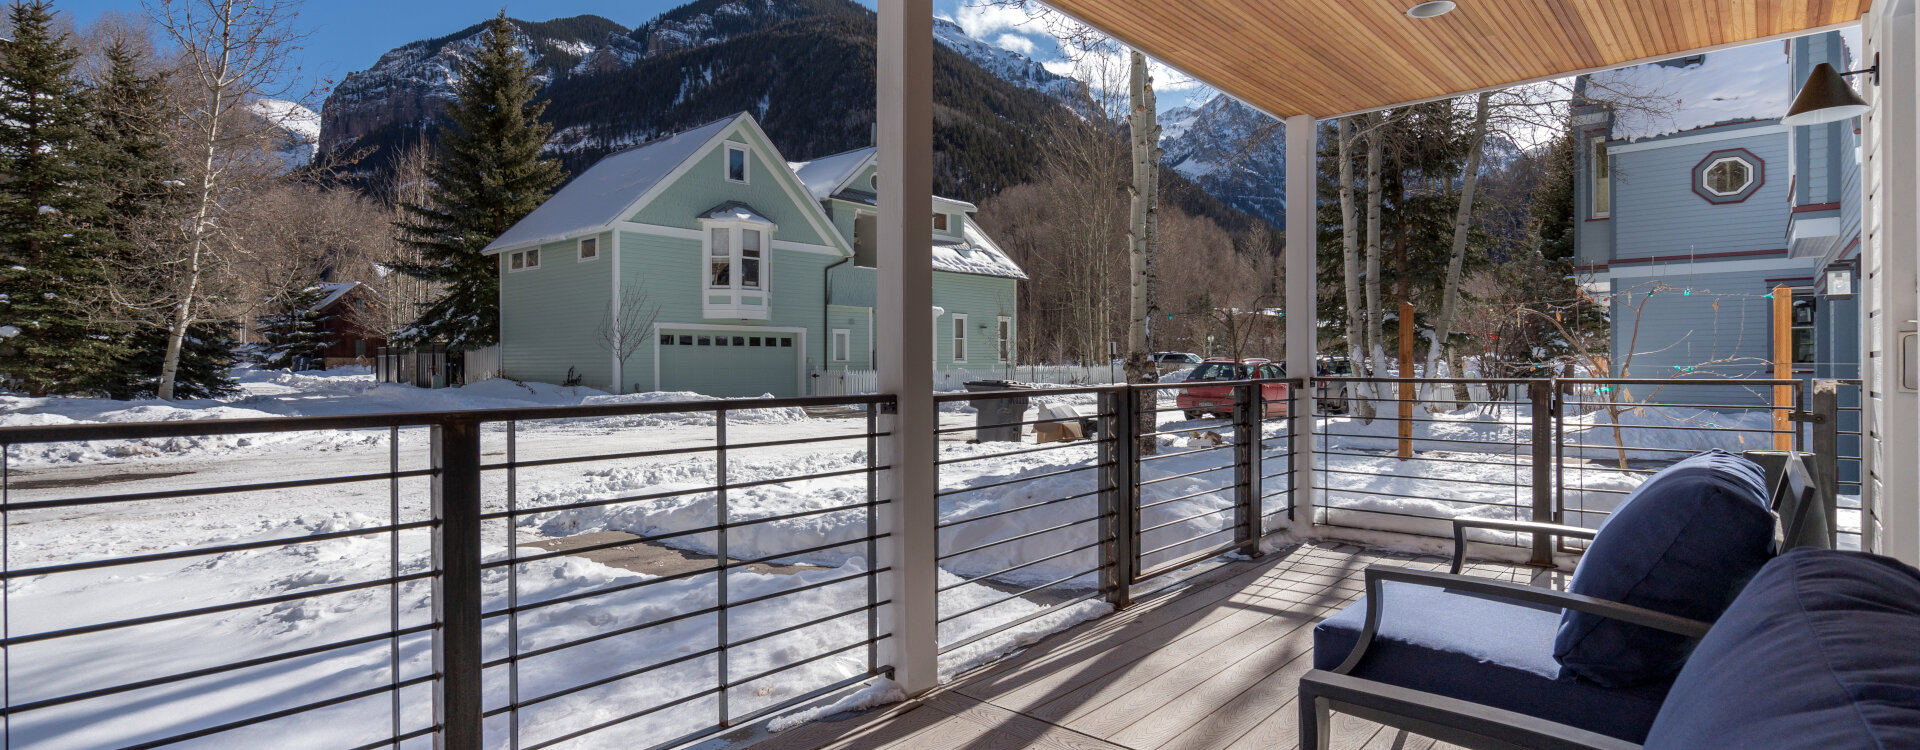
x=1656, y=212
x=1673, y=331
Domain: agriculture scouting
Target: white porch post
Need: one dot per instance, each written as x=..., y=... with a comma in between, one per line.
x=905, y=141
x=1302, y=317
x=1890, y=235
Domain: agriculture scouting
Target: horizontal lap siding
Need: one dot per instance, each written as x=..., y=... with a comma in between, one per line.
x=1677, y=330
x=552, y=316
x=855, y=321
x=983, y=299
x=704, y=186
x=1656, y=212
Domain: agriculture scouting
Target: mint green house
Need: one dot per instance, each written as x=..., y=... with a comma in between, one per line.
x=746, y=274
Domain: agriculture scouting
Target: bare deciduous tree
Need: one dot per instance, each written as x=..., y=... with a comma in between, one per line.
x=625, y=335
x=231, y=52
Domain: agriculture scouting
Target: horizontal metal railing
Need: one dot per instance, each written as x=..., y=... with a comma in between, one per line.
x=1565, y=450
x=417, y=607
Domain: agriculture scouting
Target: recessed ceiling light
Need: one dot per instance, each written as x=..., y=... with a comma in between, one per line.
x=1430, y=9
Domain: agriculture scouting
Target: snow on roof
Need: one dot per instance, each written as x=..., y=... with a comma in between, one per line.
x=335, y=292
x=978, y=255
x=823, y=175
x=596, y=198
x=735, y=211
x=1742, y=84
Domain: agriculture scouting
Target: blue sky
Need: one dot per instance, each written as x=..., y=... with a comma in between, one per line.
x=348, y=35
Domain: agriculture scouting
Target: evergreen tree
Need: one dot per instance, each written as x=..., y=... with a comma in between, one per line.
x=52, y=245
x=296, y=331
x=207, y=357
x=487, y=175
x=145, y=207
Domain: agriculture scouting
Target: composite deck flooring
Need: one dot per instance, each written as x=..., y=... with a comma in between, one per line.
x=1214, y=665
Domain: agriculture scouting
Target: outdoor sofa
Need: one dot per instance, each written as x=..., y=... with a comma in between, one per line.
x=1819, y=637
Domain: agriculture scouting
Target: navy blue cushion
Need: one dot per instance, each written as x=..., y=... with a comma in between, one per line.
x=1818, y=652
x=1488, y=651
x=1683, y=543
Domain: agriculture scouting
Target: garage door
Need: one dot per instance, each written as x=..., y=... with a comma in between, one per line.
x=727, y=363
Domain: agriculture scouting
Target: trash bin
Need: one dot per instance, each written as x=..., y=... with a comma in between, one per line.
x=998, y=419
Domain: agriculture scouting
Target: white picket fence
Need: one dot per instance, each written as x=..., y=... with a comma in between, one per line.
x=484, y=363
x=859, y=382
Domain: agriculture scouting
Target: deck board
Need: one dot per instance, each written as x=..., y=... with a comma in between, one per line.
x=1214, y=666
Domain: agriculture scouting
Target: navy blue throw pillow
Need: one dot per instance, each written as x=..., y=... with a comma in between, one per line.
x=1683, y=543
x=1818, y=652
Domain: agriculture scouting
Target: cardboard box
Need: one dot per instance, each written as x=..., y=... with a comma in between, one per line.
x=1056, y=432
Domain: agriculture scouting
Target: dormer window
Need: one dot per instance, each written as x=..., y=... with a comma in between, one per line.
x=736, y=163
x=940, y=222
x=735, y=248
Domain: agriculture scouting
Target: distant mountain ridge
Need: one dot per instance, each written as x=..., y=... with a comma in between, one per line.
x=805, y=68
x=1232, y=151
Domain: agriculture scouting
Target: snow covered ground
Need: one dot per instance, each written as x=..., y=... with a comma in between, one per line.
x=990, y=494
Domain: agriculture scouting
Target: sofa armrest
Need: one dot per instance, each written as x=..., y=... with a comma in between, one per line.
x=1460, y=526
x=1438, y=717
x=1378, y=575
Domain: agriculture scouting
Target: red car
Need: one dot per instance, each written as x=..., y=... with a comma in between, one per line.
x=1217, y=400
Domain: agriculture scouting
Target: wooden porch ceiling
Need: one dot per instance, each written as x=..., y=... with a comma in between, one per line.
x=1334, y=57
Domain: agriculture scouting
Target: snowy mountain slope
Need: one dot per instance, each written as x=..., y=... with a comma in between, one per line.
x=1008, y=65
x=301, y=126
x=1232, y=151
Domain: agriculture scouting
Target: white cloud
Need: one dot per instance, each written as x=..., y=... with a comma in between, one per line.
x=1106, y=71
x=1015, y=43
x=982, y=20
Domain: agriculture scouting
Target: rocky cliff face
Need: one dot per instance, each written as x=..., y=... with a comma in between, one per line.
x=1232, y=151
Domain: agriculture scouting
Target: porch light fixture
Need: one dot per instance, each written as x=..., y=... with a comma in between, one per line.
x=1826, y=97
x=1431, y=9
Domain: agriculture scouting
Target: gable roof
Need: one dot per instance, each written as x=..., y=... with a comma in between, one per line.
x=600, y=196
x=830, y=174
x=978, y=255
x=1724, y=87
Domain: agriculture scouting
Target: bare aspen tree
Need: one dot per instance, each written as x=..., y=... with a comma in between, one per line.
x=231, y=52
x=625, y=335
x=1462, y=220
x=1376, y=352
x=1350, y=262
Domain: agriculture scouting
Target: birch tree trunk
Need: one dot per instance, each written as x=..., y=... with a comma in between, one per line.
x=1462, y=221
x=1350, y=269
x=1377, y=354
x=215, y=72
x=1144, y=129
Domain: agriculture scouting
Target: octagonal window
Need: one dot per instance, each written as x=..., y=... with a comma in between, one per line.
x=1728, y=176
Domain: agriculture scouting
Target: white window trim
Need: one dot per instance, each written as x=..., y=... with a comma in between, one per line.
x=959, y=337
x=1707, y=185
x=1594, y=146
x=581, y=249
x=522, y=255
x=746, y=164
x=842, y=345
x=1003, y=333
x=736, y=308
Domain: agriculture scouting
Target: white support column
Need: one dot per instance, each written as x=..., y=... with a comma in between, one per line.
x=1890, y=235
x=1302, y=317
x=905, y=141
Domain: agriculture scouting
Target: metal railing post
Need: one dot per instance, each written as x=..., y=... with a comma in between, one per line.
x=1540, y=394
x=457, y=591
x=1826, y=453
x=1116, y=500
x=1246, y=466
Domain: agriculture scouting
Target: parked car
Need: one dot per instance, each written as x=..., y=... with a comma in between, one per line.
x=1331, y=397
x=1175, y=360
x=1201, y=401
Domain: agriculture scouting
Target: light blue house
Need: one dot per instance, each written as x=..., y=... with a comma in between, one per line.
x=1689, y=219
x=747, y=273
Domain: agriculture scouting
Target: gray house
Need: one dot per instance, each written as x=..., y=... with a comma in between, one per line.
x=1689, y=219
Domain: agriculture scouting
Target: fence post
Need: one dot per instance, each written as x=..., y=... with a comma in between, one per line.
x=1117, y=465
x=1247, y=408
x=1826, y=454
x=1540, y=394
x=457, y=590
